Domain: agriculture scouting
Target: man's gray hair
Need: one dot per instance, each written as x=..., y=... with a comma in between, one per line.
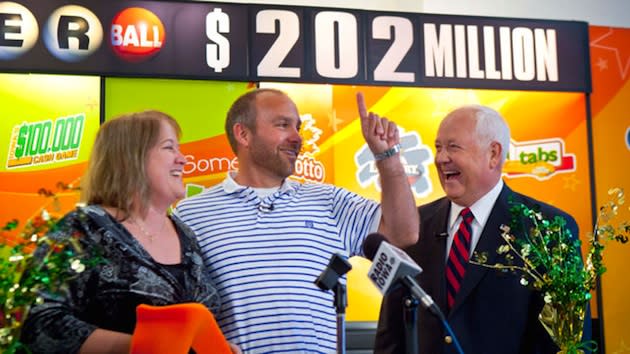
x=490, y=126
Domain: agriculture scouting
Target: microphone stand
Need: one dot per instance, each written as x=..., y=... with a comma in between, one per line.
x=410, y=310
x=341, y=302
x=329, y=280
x=415, y=293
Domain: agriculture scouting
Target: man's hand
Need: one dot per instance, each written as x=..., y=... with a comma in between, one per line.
x=379, y=133
x=399, y=218
x=234, y=348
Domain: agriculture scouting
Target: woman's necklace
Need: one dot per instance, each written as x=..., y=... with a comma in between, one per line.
x=147, y=233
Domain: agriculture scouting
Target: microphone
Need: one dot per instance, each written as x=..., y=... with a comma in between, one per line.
x=329, y=279
x=265, y=208
x=337, y=267
x=390, y=266
x=441, y=234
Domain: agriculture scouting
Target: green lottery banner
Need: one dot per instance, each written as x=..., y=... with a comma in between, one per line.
x=47, y=124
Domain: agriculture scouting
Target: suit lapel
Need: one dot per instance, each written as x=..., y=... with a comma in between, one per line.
x=489, y=242
x=439, y=225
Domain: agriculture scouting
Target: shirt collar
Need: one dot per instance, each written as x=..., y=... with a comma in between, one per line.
x=230, y=185
x=480, y=209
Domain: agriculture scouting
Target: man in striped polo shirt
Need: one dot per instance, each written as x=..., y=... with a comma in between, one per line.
x=266, y=238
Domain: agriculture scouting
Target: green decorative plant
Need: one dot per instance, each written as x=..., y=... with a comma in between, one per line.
x=548, y=258
x=34, y=262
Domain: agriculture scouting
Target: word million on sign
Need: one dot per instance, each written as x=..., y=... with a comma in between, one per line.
x=525, y=54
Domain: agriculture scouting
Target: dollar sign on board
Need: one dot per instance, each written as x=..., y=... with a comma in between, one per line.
x=217, y=53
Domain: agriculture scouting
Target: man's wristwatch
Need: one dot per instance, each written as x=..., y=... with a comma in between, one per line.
x=387, y=153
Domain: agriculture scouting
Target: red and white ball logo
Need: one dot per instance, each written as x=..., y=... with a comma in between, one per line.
x=137, y=34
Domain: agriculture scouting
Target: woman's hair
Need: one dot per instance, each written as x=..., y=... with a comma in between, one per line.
x=116, y=174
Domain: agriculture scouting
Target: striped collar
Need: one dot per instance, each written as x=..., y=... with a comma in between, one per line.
x=229, y=185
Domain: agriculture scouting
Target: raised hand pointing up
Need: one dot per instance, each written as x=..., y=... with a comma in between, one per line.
x=379, y=133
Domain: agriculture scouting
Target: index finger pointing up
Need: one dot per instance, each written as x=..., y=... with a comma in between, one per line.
x=361, y=104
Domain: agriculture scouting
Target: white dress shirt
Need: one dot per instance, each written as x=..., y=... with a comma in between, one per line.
x=480, y=210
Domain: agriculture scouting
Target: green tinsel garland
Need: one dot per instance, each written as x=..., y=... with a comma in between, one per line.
x=548, y=259
x=38, y=262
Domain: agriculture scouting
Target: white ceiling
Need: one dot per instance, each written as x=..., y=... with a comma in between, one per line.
x=614, y=13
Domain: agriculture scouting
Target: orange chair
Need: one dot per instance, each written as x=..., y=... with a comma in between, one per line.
x=174, y=329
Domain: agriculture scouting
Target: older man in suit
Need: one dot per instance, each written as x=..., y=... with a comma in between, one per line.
x=490, y=312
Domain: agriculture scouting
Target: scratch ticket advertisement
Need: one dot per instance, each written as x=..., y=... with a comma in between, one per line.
x=48, y=124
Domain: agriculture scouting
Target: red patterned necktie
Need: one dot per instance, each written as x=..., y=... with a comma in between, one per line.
x=458, y=256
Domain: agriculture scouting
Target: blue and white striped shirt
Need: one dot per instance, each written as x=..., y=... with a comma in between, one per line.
x=264, y=256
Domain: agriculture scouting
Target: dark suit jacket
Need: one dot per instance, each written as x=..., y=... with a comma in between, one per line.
x=493, y=313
